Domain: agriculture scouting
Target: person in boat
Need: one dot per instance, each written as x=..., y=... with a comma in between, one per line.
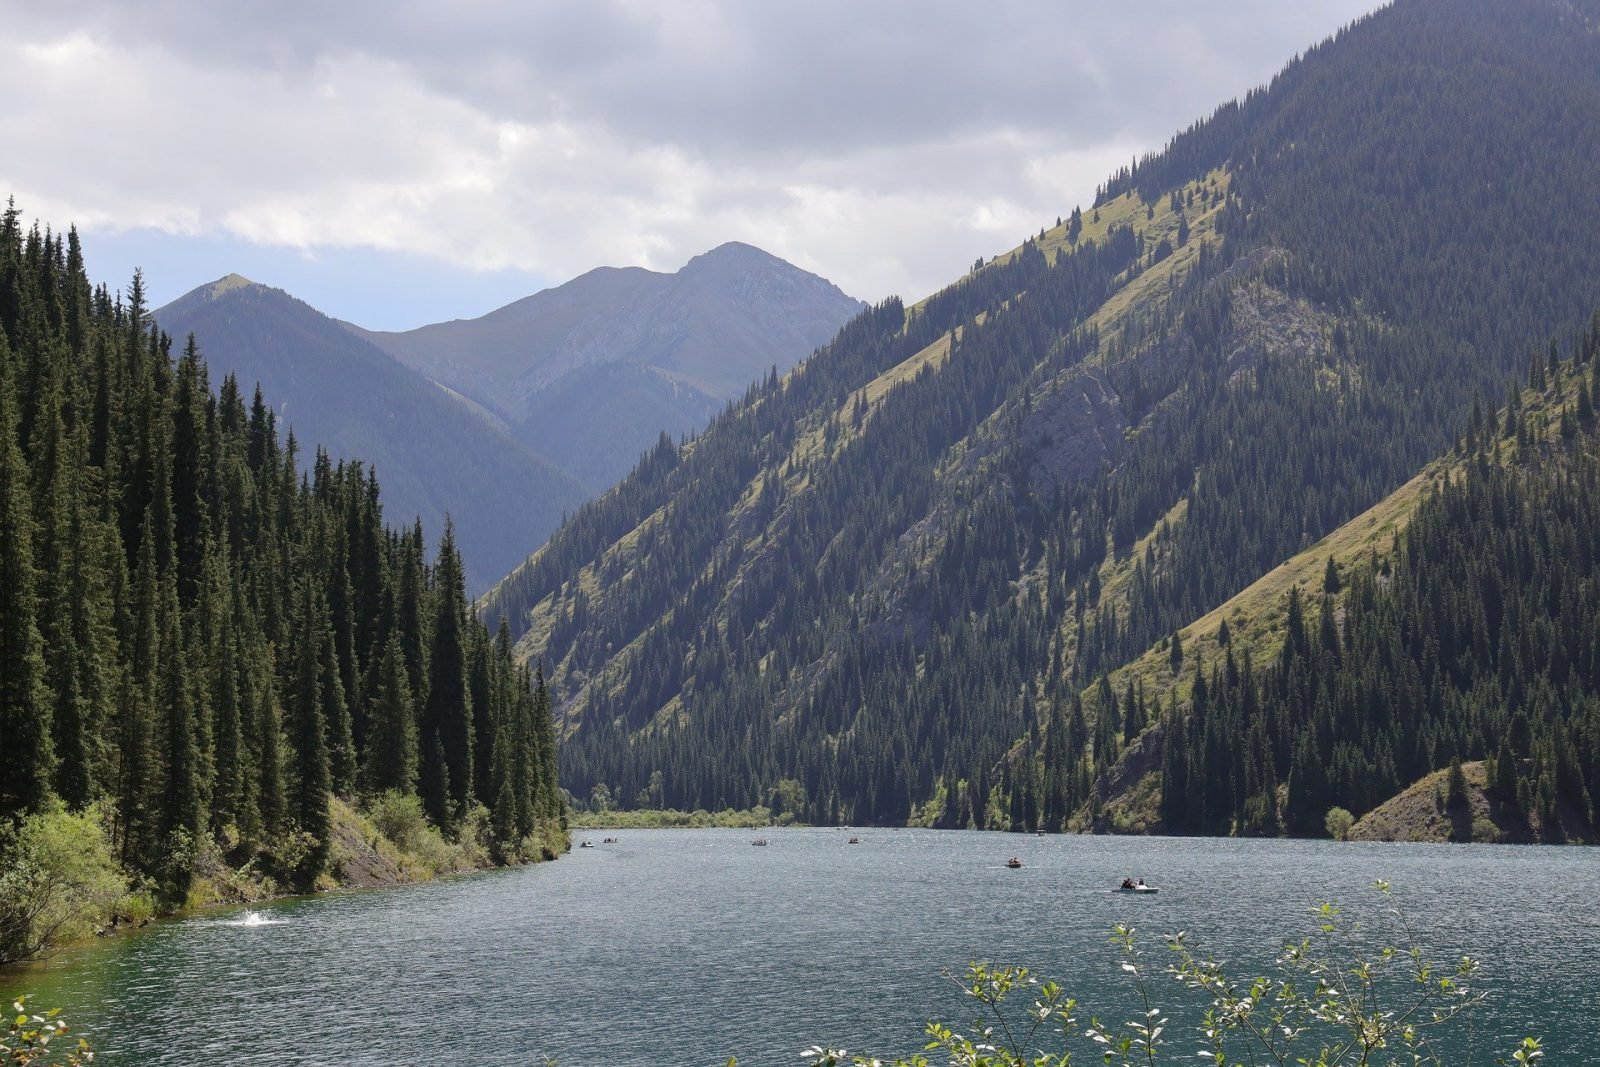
x=1127, y=883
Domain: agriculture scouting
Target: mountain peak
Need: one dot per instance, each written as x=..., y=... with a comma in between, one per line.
x=229, y=284
x=736, y=256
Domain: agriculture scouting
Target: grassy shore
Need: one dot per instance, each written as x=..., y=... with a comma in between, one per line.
x=657, y=819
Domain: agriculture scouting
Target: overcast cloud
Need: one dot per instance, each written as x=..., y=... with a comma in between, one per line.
x=882, y=145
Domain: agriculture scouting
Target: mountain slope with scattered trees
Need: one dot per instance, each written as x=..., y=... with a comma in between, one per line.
x=1464, y=634
x=878, y=588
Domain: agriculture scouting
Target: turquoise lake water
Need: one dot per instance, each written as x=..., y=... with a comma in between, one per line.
x=689, y=946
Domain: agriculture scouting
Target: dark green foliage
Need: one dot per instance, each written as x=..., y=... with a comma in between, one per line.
x=447, y=711
x=1477, y=640
x=1455, y=790
x=190, y=626
x=309, y=776
x=28, y=760
x=392, y=735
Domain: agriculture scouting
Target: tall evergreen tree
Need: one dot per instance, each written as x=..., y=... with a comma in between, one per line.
x=391, y=759
x=311, y=779
x=27, y=764
x=447, y=712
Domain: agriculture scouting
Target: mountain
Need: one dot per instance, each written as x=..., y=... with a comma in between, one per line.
x=878, y=589
x=1448, y=622
x=590, y=373
x=336, y=391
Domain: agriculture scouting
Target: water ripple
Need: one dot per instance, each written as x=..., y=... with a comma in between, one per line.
x=688, y=946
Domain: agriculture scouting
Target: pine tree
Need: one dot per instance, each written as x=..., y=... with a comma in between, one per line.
x=272, y=802
x=182, y=795
x=1455, y=785
x=483, y=686
x=27, y=761
x=447, y=714
x=336, y=716
x=392, y=740
x=311, y=779
x=228, y=787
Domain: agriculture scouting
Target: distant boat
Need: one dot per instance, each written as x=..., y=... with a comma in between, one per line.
x=1137, y=887
x=587, y=844
x=1013, y=863
x=854, y=841
x=759, y=841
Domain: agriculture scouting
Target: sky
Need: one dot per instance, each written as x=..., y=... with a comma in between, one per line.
x=409, y=162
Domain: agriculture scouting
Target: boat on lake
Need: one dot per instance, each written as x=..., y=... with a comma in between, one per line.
x=759, y=841
x=1130, y=886
x=1013, y=863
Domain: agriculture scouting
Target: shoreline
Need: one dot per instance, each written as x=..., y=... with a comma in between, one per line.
x=362, y=858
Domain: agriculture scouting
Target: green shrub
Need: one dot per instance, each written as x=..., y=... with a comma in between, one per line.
x=1338, y=823
x=398, y=817
x=58, y=882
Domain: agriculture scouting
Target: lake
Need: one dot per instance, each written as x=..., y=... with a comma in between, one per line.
x=688, y=946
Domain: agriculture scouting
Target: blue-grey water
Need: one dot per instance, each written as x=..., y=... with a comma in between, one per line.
x=690, y=946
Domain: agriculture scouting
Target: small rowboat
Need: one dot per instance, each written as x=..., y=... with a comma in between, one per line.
x=1013, y=863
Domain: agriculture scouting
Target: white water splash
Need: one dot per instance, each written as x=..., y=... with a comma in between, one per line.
x=253, y=918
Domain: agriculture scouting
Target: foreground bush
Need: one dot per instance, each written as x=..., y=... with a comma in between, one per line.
x=1335, y=1001
x=29, y=1038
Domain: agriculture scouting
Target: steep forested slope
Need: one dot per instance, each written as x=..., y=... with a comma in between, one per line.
x=200, y=642
x=877, y=588
x=1457, y=621
x=436, y=456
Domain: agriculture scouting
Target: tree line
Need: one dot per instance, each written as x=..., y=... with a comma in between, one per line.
x=204, y=639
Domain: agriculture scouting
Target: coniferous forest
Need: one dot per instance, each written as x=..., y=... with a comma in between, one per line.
x=202, y=641
x=1474, y=638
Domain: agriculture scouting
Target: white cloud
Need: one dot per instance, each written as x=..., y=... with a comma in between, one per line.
x=883, y=146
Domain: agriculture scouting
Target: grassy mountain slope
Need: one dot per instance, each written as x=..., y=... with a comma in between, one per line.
x=434, y=454
x=590, y=372
x=875, y=589
x=1542, y=446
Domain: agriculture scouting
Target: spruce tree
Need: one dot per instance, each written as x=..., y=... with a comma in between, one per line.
x=136, y=711
x=227, y=792
x=447, y=714
x=336, y=714
x=309, y=756
x=27, y=760
x=272, y=802
x=391, y=758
